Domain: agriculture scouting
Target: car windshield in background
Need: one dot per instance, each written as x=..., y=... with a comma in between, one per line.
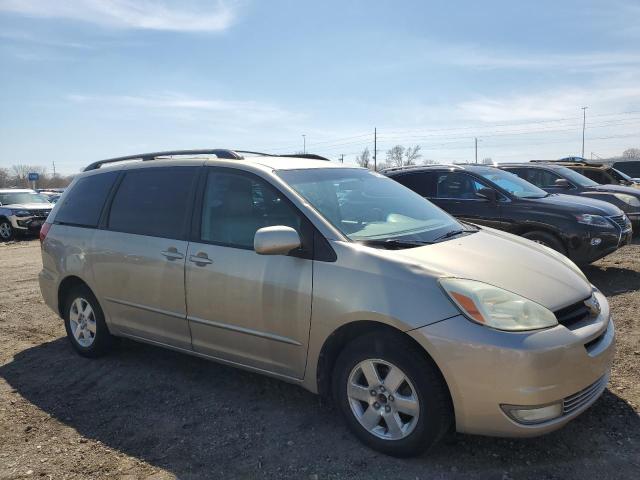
x=13, y=198
x=576, y=177
x=618, y=175
x=367, y=206
x=513, y=184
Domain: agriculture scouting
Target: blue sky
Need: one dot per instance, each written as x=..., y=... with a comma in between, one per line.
x=88, y=79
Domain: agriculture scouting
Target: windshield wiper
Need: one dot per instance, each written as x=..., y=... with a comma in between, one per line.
x=394, y=243
x=454, y=233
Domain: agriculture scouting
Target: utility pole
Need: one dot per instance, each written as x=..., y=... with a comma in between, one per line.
x=342, y=158
x=584, y=124
x=304, y=143
x=476, y=139
x=54, y=169
x=375, y=149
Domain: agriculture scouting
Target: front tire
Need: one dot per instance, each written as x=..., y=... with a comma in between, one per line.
x=6, y=230
x=391, y=395
x=84, y=323
x=546, y=239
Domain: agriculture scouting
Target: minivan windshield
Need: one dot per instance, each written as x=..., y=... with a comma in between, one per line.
x=13, y=198
x=367, y=206
x=513, y=184
x=576, y=177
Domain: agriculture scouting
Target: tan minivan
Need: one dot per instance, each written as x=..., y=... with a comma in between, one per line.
x=334, y=278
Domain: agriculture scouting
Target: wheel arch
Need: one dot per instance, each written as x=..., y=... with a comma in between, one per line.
x=65, y=286
x=339, y=339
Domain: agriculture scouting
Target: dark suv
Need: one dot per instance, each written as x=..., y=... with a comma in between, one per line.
x=584, y=230
x=598, y=172
x=555, y=178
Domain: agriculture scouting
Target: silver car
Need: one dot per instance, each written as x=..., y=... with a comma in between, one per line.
x=334, y=278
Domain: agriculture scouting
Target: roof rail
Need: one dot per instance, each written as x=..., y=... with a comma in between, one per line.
x=311, y=156
x=575, y=160
x=218, y=152
x=424, y=166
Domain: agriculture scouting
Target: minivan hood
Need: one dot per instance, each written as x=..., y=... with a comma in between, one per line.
x=577, y=205
x=506, y=261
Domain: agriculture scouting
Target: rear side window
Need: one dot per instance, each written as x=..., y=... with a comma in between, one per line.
x=83, y=204
x=421, y=183
x=153, y=202
x=457, y=185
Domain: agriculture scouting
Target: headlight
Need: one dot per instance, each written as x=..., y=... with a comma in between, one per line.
x=21, y=213
x=497, y=308
x=595, y=220
x=628, y=199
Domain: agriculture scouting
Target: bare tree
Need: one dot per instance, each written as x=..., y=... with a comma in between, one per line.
x=428, y=161
x=412, y=154
x=364, y=159
x=4, y=177
x=395, y=156
x=631, y=154
x=487, y=161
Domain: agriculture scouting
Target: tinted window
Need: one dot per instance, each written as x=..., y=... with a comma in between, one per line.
x=83, y=204
x=539, y=177
x=457, y=185
x=512, y=183
x=631, y=168
x=422, y=183
x=153, y=201
x=235, y=206
x=597, y=176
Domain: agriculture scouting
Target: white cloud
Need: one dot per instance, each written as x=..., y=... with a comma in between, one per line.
x=209, y=16
x=177, y=104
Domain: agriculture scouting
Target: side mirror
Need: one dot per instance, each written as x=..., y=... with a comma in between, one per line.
x=562, y=183
x=488, y=194
x=278, y=240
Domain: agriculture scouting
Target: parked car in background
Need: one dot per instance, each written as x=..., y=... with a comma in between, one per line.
x=582, y=229
x=52, y=196
x=555, y=178
x=598, y=172
x=630, y=168
x=22, y=211
x=419, y=323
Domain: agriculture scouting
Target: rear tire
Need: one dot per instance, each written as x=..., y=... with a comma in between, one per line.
x=84, y=323
x=404, y=407
x=546, y=239
x=6, y=230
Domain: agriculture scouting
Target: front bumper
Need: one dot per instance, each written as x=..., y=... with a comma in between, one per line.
x=27, y=224
x=486, y=368
x=582, y=251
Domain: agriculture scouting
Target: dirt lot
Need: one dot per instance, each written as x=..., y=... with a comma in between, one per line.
x=144, y=412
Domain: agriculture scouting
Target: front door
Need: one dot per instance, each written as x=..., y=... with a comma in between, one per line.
x=457, y=193
x=245, y=308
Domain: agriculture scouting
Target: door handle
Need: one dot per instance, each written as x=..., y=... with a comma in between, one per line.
x=172, y=253
x=200, y=259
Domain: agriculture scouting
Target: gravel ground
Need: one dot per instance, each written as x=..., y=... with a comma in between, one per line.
x=144, y=412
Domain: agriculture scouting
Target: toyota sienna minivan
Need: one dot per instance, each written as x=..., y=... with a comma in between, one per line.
x=334, y=278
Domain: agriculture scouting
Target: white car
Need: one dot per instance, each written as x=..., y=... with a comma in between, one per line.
x=22, y=211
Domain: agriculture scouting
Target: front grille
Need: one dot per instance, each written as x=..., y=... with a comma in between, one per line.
x=621, y=221
x=39, y=213
x=584, y=396
x=573, y=314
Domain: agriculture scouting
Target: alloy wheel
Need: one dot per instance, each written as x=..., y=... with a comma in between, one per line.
x=82, y=321
x=383, y=399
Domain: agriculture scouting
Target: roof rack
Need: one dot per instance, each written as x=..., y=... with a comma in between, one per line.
x=575, y=160
x=311, y=156
x=417, y=167
x=218, y=152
